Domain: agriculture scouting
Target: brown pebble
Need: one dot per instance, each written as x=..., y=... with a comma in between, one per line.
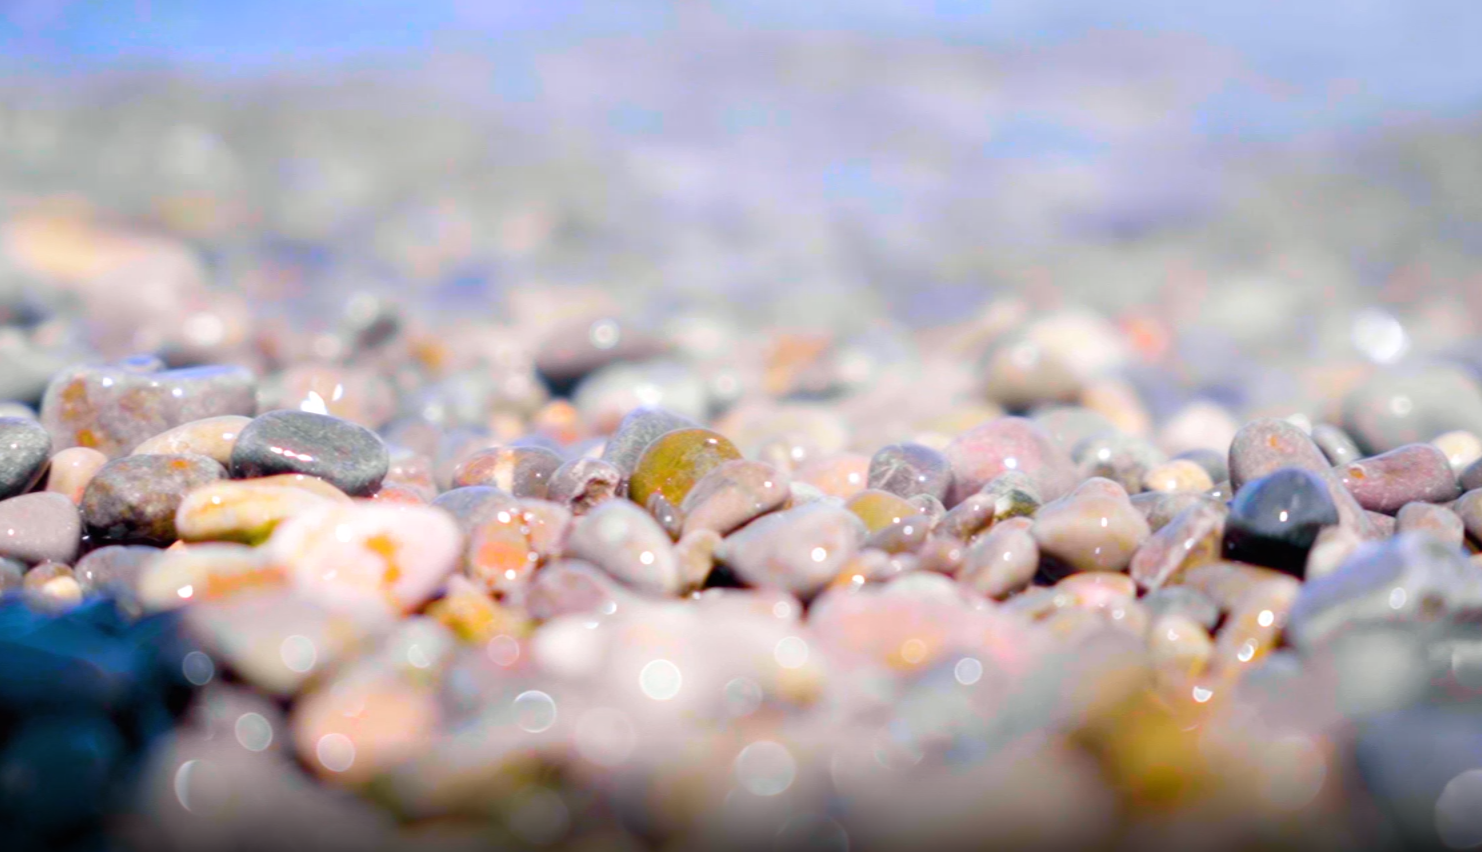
x=1194, y=537
x=1414, y=472
x=1003, y=560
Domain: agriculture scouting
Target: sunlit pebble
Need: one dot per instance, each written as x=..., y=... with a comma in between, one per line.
x=503, y=650
x=913, y=651
x=198, y=668
x=535, y=712
x=660, y=680
x=605, y=736
x=791, y=652
x=1459, y=811
x=539, y=816
x=968, y=671
x=336, y=752
x=765, y=768
x=742, y=696
x=254, y=731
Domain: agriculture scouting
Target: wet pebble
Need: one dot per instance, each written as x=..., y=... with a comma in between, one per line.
x=113, y=569
x=1264, y=446
x=520, y=471
x=1415, y=472
x=628, y=544
x=841, y=475
x=72, y=469
x=25, y=449
x=798, y=550
x=1336, y=446
x=134, y=499
x=1011, y=494
x=981, y=454
x=1094, y=528
x=673, y=463
x=734, y=493
x=1471, y=477
x=1003, y=560
x=247, y=510
x=1215, y=463
x=1177, y=475
x=213, y=437
x=908, y=470
x=1193, y=537
x=1274, y=520
x=1121, y=458
x=639, y=428
x=348, y=456
x=477, y=504
x=1460, y=448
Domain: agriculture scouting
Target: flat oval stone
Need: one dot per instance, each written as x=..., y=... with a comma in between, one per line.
x=673, y=463
x=639, y=428
x=879, y=509
x=1177, y=475
x=909, y=470
x=1194, y=537
x=798, y=550
x=1094, y=528
x=582, y=483
x=113, y=409
x=350, y=457
x=476, y=505
x=733, y=494
x=72, y=469
x=368, y=556
x=133, y=499
x=1335, y=444
x=1437, y=521
x=629, y=544
x=1264, y=446
x=979, y=455
x=242, y=510
x=1274, y=520
x=1412, y=473
x=521, y=471
x=1003, y=560
x=25, y=448
x=213, y=437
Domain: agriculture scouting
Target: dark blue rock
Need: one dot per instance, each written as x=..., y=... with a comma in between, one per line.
x=348, y=456
x=1274, y=520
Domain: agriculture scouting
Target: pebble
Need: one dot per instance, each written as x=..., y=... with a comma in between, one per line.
x=72, y=469
x=733, y=494
x=113, y=409
x=1438, y=521
x=798, y=550
x=52, y=585
x=349, y=457
x=39, y=528
x=1200, y=425
x=695, y=553
x=1264, y=446
x=1274, y=520
x=1336, y=446
x=113, y=569
x=25, y=449
x=582, y=483
x=1177, y=475
x=247, y=510
x=520, y=471
x=500, y=558
x=1215, y=464
x=213, y=437
x=375, y=557
x=673, y=463
x=1003, y=560
x=1415, y=472
x=134, y=499
x=669, y=516
x=1193, y=537
x=1400, y=406
x=841, y=475
x=1331, y=549
x=1010, y=495
x=628, y=544
x=909, y=470
x=1460, y=448
x=1094, y=528
x=639, y=428
x=981, y=454
x=879, y=509
x=904, y=536
x=1179, y=647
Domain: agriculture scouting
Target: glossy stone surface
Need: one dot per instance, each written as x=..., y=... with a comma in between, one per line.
x=639, y=428
x=1264, y=446
x=25, y=449
x=1412, y=473
x=1438, y=521
x=247, y=510
x=734, y=493
x=39, y=527
x=1194, y=537
x=1336, y=446
x=475, y=505
x=673, y=463
x=1274, y=520
x=212, y=437
x=134, y=499
x=908, y=470
x=1009, y=495
x=72, y=469
x=521, y=471
x=798, y=550
x=1008, y=443
x=1409, y=405
x=879, y=509
x=113, y=569
x=349, y=457
x=1123, y=459
x=629, y=544
x=1094, y=528
x=1003, y=560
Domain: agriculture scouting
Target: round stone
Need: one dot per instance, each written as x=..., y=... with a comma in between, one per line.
x=1274, y=520
x=212, y=437
x=798, y=550
x=25, y=448
x=72, y=469
x=733, y=494
x=1094, y=528
x=909, y=470
x=639, y=428
x=1003, y=560
x=39, y=527
x=629, y=544
x=879, y=509
x=349, y=457
x=676, y=461
x=133, y=500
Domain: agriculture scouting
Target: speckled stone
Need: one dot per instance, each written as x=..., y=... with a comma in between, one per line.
x=582, y=483
x=72, y=469
x=639, y=428
x=979, y=455
x=907, y=470
x=349, y=457
x=1264, y=446
x=1194, y=537
x=212, y=437
x=1336, y=446
x=1438, y=521
x=52, y=586
x=1121, y=458
x=1274, y=520
x=1415, y=472
x=113, y=569
x=133, y=499
x=799, y=550
x=25, y=449
x=733, y=494
x=1011, y=494
x=520, y=471
x=676, y=461
x=1094, y=528
x=629, y=544
x=1002, y=561
x=906, y=535
x=1408, y=405
x=114, y=408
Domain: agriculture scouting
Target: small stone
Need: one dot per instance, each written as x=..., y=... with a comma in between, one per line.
x=1094, y=528
x=1008, y=443
x=908, y=470
x=673, y=463
x=1460, y=448
x=1163, y=508
x=1469, y=508
x=1438, y=521
x=1123, y=459
x=695, y=553
x=245, y=510
x=799, y=550
x=213, y=437
x=1331, y=549
x=1118, y=401
x=841, y=475
x=1184, y=601
x=1002, y=561
x=204, y=572
x=1471, y=478
x=628, y=544
x=639, y=428
x=1415, y=472
x=931, y=507
x=1216, y=464
x=582, y=483
x=25, y=448
x=904, y=536
x=500, y=558
x=1177, y=475
x=39, y=528
x=114, y=408
x=572, y=349
x=1019, y=373
x=1274, y=520
x=1010, y=495
x=1264, y=446
x=363, y=722
x=611, y=392
x=1336, y=446
x=410, y=471
x=133, y=499
x=1194, y=537
x=1254, y=625
x=349, y=457
x=476, y=505
x=113, y=569
x=546, y=525
x=376, y=557
x=733, y=494
x=879, y=509
x=521, y=471
x=72, y=469
x=1384, y=525
x=475, y=617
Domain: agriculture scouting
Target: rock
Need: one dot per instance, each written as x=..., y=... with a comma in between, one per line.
x=1412, y=473
x=521, y=471
x=695, y=553
x=72, y=469
x=1177, y=475
x=733, y=494
x=639, y=428
x=368, y=556
x=1179, y=647
x=1009, y=495
x=627, y=543
x=1438, y=521
x=52, y=586
x=908, y=470
x=1264, y=446
x=879, y=509
x=1274, y=520
x=177, y=576
x=673, y=463
x=1469, y=508
x=133, y=499
x=1008, y=443
x=1336, y=446
x=345, y=455
x=500, y=558
x=39, y=528
x=1194, y=537
x=25, y=449
x=1002, y=561
x=572, y=349
x=1471, y=477
x=570, y=587
x=582, y=483
x=1409, y=405
x=1094, y=528
x=1331, y=549
x=113, y=409
x=247, y=510
x=798, y=550
x=213, y=437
